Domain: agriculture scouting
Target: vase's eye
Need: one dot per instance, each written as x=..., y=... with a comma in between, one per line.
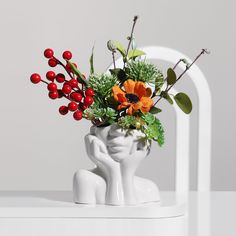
x=132, y=97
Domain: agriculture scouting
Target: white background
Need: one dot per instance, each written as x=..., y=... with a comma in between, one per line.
x=40, y=150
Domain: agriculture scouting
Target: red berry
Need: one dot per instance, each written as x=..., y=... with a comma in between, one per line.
x=89, y=92
x=63, y=110
x=60, y=93
x=88, y=101
x=76, y=96
x=35, y=78
x=66, y=89
x=68, y=67
x=48, y=53
x=50, y=75
x=72, y=106
x=52, y=87
x=53, y=95
x=52, y=62
x=73, y=83
x=67, y=55
x=72, y=95
x=82, y=106
x=60, y=78
x=78, y=115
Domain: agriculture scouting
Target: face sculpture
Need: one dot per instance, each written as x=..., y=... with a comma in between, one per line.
x=119, y=144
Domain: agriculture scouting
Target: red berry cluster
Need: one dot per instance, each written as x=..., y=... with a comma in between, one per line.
x=80, y=96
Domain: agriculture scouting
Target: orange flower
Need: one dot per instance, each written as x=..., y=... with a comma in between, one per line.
x=134, y=95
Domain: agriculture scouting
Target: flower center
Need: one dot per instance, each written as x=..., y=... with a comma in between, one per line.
x=132, y=97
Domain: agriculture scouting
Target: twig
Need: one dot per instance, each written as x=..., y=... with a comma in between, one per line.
x=130, y=38
x=203, y=51
x=177, y=64
x=113, y=58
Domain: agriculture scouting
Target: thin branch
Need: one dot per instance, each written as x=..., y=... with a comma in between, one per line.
x=113, y=58
x=130, y=38
x=174, y=67
x=203, y=51
x=44, y=81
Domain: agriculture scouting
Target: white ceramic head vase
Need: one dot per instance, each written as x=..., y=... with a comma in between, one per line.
x=117, y=155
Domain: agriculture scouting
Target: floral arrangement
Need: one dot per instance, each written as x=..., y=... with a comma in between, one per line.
x=127, y=96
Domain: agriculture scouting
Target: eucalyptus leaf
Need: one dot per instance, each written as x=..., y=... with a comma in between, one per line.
x=91, y=62
x=155, y=110
x=135, y=53
x=184, y=102
x=167, y=97
x=171, y=76
x=120, y=48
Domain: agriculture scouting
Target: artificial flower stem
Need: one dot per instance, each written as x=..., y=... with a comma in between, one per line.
x=113, y=58
x=203, y=51
x=130, y=38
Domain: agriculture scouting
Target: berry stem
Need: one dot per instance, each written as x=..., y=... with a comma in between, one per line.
x=44, y=81
x=60, y=63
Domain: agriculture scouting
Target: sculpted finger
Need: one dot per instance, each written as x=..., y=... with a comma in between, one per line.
x=119, y=156
x=119, y=149
x=118, y=141
x=101, y=145
x=88, y=140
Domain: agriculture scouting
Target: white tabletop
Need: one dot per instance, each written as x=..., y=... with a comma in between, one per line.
x=60, y=205
x=210, y=214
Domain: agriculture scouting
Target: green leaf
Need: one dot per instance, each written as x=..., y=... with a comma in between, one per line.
x=159, y=81
x=135, y=53
x=119, y=73
x=78, y=73
x=120, y=48
x=184, y=102
x=91, y=62
x=171, y=76
x=167, y=97
x=155, y=110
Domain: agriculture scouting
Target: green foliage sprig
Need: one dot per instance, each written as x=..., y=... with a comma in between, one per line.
x=102, y=84
x=143, y=71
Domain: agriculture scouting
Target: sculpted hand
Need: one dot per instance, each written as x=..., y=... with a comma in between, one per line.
x=128, y=150
x=97, y=152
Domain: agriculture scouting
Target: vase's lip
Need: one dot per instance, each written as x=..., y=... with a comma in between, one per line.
x=104, y=131
x=93, y=128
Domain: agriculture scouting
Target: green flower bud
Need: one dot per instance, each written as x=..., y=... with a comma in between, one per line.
x=111, y=46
